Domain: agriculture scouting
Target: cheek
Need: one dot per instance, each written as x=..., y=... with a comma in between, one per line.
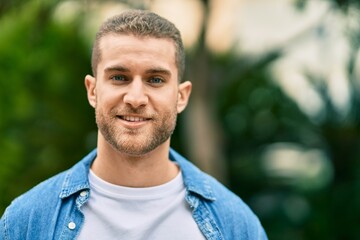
x=167, y=99
x=107, y=97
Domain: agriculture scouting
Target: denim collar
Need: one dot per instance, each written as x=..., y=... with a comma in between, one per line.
x=76, y=178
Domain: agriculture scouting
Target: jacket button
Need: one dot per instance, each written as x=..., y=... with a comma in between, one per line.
x=83, y=193
x=71, y=225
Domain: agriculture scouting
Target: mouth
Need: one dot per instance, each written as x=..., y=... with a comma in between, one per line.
x=133, y=118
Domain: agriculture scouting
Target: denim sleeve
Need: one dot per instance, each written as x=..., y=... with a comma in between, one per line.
x=2, y=227
x=261, y=232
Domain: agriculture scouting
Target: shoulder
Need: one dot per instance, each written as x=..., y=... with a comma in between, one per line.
x=63, y=184
x=45, y=194
x=32, y=208
x=232, y=215
x=225, y=201
x=205, y=185
x=41, y=205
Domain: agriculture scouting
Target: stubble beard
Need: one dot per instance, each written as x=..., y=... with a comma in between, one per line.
x=140, y=141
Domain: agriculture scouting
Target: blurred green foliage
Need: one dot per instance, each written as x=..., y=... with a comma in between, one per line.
x=46, y=125
x=264, y=115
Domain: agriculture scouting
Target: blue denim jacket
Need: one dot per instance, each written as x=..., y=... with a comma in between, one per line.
x=52, y=210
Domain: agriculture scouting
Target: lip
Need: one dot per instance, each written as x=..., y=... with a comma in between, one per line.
x=133, y=121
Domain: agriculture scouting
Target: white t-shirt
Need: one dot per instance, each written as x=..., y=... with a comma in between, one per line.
x=156, y=213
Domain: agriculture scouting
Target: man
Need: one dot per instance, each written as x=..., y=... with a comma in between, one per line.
x=133, y=186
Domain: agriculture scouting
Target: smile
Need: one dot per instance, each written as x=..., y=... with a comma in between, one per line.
x=133, y=119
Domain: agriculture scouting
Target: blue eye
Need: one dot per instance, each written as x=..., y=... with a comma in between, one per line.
x=156, y=80
x=118, y=78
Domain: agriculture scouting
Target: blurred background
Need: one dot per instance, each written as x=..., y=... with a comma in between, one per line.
x=274, y=112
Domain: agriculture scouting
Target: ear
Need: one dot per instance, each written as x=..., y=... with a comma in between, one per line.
x=183, y=95
x=90, y=84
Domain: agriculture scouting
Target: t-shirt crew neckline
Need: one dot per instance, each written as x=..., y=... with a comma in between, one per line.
x=120, y=192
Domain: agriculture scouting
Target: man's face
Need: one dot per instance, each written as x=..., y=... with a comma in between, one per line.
x=136, y=94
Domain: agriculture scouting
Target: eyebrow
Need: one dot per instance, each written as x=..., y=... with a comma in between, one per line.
x=116, y=69
x=158, y=71
x=154, y=70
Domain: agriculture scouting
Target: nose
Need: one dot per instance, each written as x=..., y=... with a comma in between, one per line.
x=135, y=94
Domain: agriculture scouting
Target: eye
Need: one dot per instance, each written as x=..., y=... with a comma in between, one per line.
x=156, y=80
x=118, y=78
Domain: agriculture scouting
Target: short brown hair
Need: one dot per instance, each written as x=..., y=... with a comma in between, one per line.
x=141, y=23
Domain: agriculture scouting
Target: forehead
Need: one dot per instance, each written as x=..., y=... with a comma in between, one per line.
x=115, y=47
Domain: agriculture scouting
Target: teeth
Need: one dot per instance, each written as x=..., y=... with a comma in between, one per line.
x=133, y=119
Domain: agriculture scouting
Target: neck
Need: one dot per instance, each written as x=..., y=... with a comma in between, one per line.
x=151, y=169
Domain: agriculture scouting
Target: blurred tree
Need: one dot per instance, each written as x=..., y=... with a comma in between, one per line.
x=202, y=130
x=264, y=116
